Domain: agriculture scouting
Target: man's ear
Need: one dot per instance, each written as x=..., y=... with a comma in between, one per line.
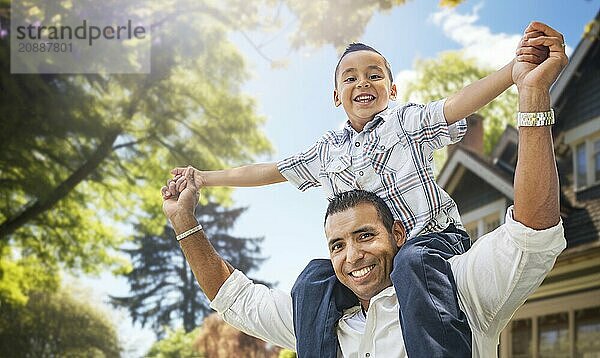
x=393, y=92
x=336, y=98
x=399, y=233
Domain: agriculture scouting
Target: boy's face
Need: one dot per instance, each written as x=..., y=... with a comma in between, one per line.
x=363, y=87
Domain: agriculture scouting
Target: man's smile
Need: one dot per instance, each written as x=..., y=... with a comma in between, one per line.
x=362, y=272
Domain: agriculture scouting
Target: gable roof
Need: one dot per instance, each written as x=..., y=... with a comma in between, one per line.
x=463, y=156
x=590, y=36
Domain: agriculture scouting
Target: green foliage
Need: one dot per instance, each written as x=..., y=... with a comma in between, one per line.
x=162, y=286
x=56, y=325
x=176, y=344
x=446, y=75
x=83, y=152
x=286, y=353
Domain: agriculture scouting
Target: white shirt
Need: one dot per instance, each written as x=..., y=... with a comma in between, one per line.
x=494, y=278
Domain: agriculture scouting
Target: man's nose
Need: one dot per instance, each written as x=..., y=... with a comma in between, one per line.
x=354, y=253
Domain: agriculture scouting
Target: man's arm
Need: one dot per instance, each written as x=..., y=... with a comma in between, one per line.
x=252, y=308
x=536, y=194
x=479, y=93
x=505, y=266
x=210, y=269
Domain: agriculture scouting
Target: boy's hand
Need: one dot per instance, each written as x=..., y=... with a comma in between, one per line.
x=179, y=182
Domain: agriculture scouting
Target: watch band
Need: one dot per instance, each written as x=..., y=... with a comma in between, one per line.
x=535, y=119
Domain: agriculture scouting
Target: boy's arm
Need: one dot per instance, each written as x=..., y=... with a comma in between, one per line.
x=477, y=94
x=248, y=175
x=481, y=92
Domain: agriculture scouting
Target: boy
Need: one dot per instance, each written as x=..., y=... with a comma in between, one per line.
x=389, y=152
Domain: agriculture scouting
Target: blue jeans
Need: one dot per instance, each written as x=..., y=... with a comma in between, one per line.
x=432, y=323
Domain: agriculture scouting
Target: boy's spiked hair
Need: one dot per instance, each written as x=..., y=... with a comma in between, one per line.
x=357, y=46
x=350, y=199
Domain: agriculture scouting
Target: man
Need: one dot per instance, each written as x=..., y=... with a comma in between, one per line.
x=493, y=278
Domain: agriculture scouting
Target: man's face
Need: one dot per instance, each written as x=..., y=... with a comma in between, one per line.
x=363, y=87
x=362, y=250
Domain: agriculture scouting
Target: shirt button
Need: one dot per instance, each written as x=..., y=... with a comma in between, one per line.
x=382, y=147
x=368, y=355
x=361, y=173
x=357, y=144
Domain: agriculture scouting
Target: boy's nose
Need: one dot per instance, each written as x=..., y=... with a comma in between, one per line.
x=363, y=83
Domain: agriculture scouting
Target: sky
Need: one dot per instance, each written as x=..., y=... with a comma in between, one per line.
x=297, y=104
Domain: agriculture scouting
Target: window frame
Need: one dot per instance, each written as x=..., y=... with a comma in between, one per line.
x=535, y=310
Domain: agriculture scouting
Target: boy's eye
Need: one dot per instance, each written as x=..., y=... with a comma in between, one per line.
x=350, y=79
x=376, y=77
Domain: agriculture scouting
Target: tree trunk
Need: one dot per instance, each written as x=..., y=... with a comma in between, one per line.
x=37, y=207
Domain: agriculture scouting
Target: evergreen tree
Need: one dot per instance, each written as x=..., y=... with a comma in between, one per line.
x=163, y=289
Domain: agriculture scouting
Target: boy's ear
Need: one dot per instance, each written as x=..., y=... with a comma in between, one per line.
x=393, y=92
x=398, y=233
x=336, y=98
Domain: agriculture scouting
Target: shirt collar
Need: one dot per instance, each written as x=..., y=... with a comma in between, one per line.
x=379, y=118
x=386, y=292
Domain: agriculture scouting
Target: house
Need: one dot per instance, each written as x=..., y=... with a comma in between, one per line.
x=562, y=317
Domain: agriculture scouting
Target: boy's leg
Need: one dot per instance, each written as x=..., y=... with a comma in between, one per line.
x=432, y=322
x=319, y=300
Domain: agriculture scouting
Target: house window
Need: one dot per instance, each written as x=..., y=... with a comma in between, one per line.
x=587, y=162
x=587, y=332
x=554, y=335
x=596, y=160
x=581, y=165
x=485, y=219
x=565, y=327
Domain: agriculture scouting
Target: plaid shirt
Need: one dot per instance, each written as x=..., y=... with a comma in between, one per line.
x=392, y=157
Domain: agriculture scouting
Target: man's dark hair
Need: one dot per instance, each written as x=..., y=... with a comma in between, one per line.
x=357, y=46
x=350, y=199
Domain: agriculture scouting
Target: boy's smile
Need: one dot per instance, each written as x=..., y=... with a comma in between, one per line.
x=363, y=87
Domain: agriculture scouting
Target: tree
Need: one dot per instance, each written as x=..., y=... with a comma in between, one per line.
x=57, y=324
x=441, y=77
x=218, y=339
x=176, y=344
x=81, y=152
x=163, y=288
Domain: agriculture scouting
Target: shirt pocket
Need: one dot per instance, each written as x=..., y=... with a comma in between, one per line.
x=339, y=175
x=390, y=154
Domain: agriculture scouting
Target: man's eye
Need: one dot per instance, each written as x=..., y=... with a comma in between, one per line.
x=365, y=235
x=335, y=247
x=376, y=77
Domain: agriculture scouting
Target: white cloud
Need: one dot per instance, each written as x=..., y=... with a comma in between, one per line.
x=492, y=50
x=488, y=49
x=401, y=80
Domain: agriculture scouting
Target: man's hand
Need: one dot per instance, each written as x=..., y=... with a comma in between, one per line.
x=528, y=75
x=179, y=182
x=179, y=209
